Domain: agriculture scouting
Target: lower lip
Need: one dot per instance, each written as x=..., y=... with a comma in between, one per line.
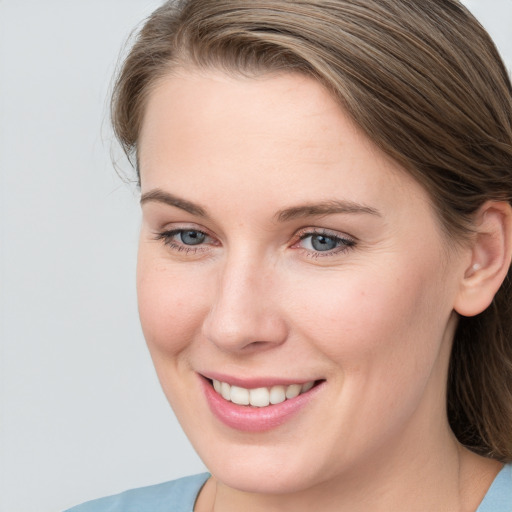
x=255, y=419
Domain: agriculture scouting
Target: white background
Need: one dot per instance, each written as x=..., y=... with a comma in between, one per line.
x=81, y=412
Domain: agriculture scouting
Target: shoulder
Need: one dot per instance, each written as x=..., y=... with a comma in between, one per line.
x=175, y=496
x=499, y=495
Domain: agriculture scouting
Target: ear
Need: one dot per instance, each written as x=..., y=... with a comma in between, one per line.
x=491, y=255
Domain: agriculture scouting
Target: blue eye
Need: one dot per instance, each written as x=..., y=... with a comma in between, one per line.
x=325, y=242
x=191, y=237
x=184, y=239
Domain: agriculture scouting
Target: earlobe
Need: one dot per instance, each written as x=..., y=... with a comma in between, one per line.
x=491, y=255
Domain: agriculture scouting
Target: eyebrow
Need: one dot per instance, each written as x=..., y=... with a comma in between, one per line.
x=160, y=196
x=295, y=212
x=325, y=208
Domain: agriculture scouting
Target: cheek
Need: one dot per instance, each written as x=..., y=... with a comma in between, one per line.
x=383, y=338
x=170, y=305
x=373, y=321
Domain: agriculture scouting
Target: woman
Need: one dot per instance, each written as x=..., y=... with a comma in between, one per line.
x=324, y=260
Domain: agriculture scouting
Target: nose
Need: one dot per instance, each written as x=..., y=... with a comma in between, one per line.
x=244, y=314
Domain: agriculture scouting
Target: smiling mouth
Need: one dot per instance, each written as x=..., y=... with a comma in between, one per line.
x=260, y=397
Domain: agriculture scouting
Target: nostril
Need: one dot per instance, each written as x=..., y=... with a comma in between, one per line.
x=257, y=344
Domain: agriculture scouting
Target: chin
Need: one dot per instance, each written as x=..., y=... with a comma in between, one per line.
x=261, y=481
x=263, y=469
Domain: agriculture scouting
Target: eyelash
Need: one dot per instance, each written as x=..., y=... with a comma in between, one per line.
x=168, y=238
x=343, y=244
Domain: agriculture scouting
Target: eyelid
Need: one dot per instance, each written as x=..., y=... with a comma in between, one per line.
x=183, y=226
x=346, y=242
x=309, y=231
x=167, y=237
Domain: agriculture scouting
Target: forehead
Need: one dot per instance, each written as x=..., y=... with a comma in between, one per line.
x=261, y=135
x=206, y=103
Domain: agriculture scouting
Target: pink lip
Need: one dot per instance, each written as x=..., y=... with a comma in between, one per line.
x=254, y=419
x=252, y=382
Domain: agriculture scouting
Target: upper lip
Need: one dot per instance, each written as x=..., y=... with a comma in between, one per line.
x=254, y=382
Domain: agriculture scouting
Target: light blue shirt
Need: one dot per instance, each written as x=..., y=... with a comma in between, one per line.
x=175, y=496
x=180, y=496
x=499, y=495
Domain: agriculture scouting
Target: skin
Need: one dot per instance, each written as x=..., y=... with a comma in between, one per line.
x=374, y=317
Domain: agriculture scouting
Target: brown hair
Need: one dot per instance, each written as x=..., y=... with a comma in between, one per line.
x=424, y=81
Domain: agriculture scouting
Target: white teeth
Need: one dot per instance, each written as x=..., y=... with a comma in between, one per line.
x=277, y=394
x=225, y=390
x=306, y=387
x=239, y=396
x=260, y=397
x=293, y=390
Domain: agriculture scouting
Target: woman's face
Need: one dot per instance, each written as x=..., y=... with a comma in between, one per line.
x=280, y=247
